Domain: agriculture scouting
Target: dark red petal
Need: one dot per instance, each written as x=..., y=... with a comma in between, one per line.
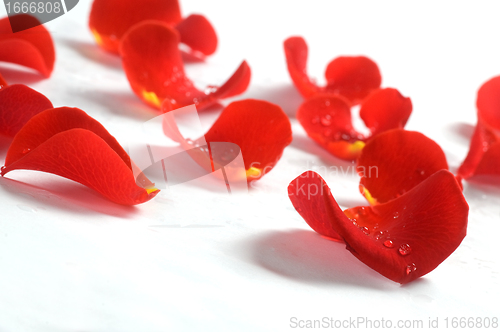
x=67, y=142
x=385, y=109
x=407, y=237
x=490, y=161
x=395, y=161
x=261, y=130
x=18, y=104
x=3, y=83
x=197, y=33
x=327, y=120
x=488, y=104
x=296, y=59
x=353, y=77
x=31, y=48
x=313, y=200
x=154, y=68
x=110, y=19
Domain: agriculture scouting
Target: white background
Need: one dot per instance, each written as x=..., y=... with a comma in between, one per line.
x=195, y=260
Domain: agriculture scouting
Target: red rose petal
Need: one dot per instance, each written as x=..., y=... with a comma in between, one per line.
x=261, y=130
x=395, y=161
x=110, y=19
x=31, y=48
x=18, y=104
x=353, y=77
x=327, y=120
x=480, y=160
x=154, y=68
x=296, y=59
x=67, y=142
x=197, y=33
x=402, y=239
x=3, y=83
x=385, y=109
x=313, y=200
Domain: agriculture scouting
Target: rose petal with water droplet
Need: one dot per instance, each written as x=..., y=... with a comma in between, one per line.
x=432, y=222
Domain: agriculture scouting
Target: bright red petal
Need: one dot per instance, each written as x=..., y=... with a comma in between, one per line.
x=395, y=161
x=313, y=200
x=3, y=83
x=407, y=237
x=18, y=104
x=110, y=19
x=296, y=59
x=261, y=130
x=31, y=48
x=353, y=77
x=327, y=120
x=486, y=136
x=197, y=33
x=385, y=109
x=154, y=68
x=67, y=142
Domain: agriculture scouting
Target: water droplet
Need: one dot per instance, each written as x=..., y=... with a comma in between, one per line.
x=388, y=243
x=26, y=150
x=379, y=235
x=346, y=137
x=396, y=215
x=405, y=249
x=327, y=103
x=362, y=211
x=298, y=209
x=365, y=230
x=354, y=221
x=315, y=120
x=326, y=120
x=337, y=136
x=327, y=133
x=411, y=268
x=421, y=172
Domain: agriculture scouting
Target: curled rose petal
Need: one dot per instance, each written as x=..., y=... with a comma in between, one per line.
x=261, y=130
x=482, y=158
x=353, y=78
x=18, y=104
x=154, y=68
x=67, y=142
x=32, y=48
x=327, y=120
x=197, y=33
x=402, y=239
x=395, y=161
x=110, y=19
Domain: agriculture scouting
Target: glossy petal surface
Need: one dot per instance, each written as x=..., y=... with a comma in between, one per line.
x=110, y=19
x=32, y=48
x=395, y=161
x=67, y=142
x=402, y=239
x=261, y=130
x=197, y=33
x=154, y=68
x=18, y=104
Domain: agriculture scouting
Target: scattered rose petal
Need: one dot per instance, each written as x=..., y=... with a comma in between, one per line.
x=110, y=19
x=197, y=33
x=154, y=68
x=395, y=161
x=327, y=120
x=484, y=152
x=402, y=239
x=351, y=77
x=32, y=48
x=18, y=104
x=260, y=129
x=67, y=142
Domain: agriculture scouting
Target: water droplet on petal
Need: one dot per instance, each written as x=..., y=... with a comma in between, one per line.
x=326, y=120
x=327, y=133
x=378, y=235
x=365, y=230
x=405, y=249
x=337, y=136
x=315, y=120
x=299, y=209
x=388, y=243
x=411, y=268
x=26, y=150
x=354, y=221
x=396, y=215
x=362, y=211
x=327, y=103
